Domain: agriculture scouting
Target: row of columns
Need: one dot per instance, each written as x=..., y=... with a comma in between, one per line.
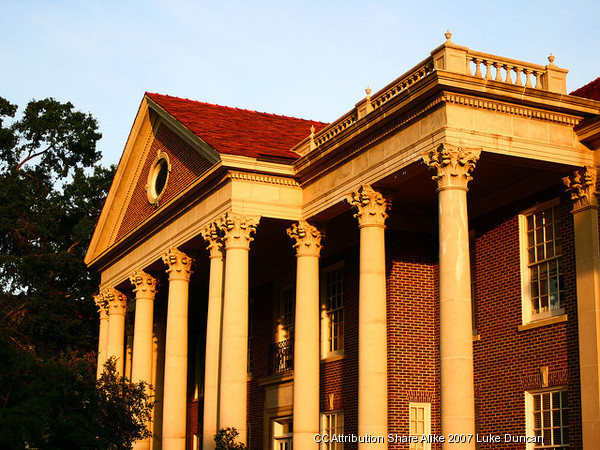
x=227, y=323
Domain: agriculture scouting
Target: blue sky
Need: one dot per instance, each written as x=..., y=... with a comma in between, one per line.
x=310, y=59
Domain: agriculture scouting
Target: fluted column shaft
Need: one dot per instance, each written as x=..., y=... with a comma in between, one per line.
x=453, y=167
x=176, y=351
x=372, y=325
x=213, y=337
x=237, y=232
x=103, y=334
x=582, y=186
x=117, y=307
x=306, y=335
x=141, y=365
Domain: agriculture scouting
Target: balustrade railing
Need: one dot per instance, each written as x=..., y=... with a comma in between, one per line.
x=504, y=69
x=448, y=57
x=281, y=356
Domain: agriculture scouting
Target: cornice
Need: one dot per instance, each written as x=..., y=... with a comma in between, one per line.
x=264, y=179
x=508, y=108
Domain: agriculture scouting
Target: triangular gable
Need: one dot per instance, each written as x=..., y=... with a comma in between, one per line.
x=127, y=205
x=193, y=135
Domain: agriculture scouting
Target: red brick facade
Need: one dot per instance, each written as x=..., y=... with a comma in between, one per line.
x=186, y=162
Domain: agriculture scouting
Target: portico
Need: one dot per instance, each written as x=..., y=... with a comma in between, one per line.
x=269, y=275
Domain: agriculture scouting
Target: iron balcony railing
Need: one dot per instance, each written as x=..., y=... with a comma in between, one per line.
x=281, y=356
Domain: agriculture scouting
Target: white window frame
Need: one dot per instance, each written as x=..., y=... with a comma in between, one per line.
x=338, y=429
x=282, y=334
x=326, y=352
x=426, y=408
x=530, y=420
x=528, y=315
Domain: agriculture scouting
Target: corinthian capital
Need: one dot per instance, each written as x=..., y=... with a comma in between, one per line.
x=582, y=186
x=144, y=285
x=116, y=301
x=307, y=237
x=370, y=204
x=453, y=165
x=179, y=265
x=102, y=305
x=212, y=235
x=237, y=230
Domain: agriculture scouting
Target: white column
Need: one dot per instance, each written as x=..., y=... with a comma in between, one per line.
x=453, y=166
x=306, y=335
x=102, y=305
x=117, y=307
x=237, y=231
x=144, y=287
x=213, y=337
x=372, y=325
x=582, y=186
x=176, y=347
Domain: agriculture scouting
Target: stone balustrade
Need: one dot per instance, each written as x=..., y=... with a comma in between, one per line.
x=452, y=58
x=491, y=67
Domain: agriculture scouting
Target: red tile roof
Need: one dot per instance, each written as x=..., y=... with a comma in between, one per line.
x=590, y=90
x=238, y=131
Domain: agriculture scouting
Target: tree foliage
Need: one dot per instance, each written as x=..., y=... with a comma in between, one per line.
x=225, y=439
x=51, y=192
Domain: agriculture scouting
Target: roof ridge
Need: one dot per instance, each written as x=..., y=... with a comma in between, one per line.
x=235, y=108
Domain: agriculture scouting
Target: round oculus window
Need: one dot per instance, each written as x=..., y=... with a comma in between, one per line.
x=158, y=178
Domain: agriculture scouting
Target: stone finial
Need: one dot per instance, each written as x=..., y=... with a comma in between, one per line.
x=311, y=138
x=551, y=58
x=370, y=204
x=116, y=301
x=212, y=234
x=582, y=186
x=453, y=165
x=368, y=92
x=237, y=230
x=448, y=35
x=144, y=285
x=102, y=305
x=179, y=264
x=307, y=237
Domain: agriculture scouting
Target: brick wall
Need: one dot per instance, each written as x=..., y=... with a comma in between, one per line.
x=507, y=361
x=412, y=328
x=186, y=165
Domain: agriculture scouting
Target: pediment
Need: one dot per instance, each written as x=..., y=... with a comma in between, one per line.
x=156, y=138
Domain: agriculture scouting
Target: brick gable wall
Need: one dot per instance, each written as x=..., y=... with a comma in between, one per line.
x=186, y=166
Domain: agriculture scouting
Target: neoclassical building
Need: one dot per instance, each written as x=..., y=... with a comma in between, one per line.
x=426, y=265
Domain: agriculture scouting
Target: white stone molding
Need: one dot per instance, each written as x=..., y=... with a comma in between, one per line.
x=237, y=230
x=453, y=165
x=582, y=186
x=307, y=237
x=179, y=264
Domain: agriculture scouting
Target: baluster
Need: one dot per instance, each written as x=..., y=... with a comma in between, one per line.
x=508, y=78
x=488, y=70
x=498, y=73
x=538, y=79
x=477, y=68
x=527, y=73
x=518, y=80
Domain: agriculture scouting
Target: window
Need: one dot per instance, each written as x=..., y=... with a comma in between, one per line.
x=548, y=418
x=541, y=251
x=283, y=432
x=419, y=424
x=286, y=314
x=158, y=177
x=332, y=423
x=333, y=311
